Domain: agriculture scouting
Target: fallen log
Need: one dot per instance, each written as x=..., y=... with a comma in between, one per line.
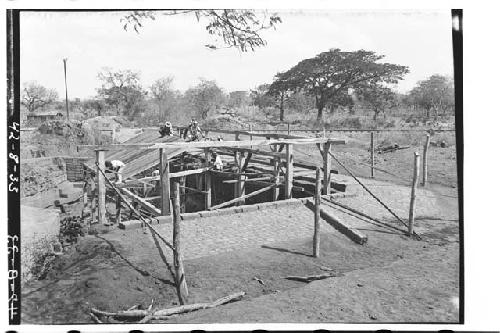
x=163, y=314
x=311, y=278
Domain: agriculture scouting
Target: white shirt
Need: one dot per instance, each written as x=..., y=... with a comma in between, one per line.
x=117, y=164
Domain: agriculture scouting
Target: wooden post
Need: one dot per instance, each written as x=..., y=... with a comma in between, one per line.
x=239, y=189
x=208, y=181
x=236, y=136
x=411, y=218
x=317, y=202
x=182, y=184
x=424, y=162
x=101, y=187
x=326, y=167
x=180, y=278
x=164, y=183
x=372, y=154
x=276, y=174
x=85, y=197
x=118, y=206
x=93, y=199
x=288, y=128
x=289, y=171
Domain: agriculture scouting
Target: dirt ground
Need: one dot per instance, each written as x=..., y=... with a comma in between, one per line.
x=389, y=279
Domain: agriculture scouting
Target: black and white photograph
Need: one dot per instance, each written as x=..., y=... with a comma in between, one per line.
x=235, y=166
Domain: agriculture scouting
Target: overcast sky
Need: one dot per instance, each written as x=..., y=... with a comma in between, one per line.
x=174, y=46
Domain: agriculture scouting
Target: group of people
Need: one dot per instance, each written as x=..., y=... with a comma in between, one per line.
x=192, y=132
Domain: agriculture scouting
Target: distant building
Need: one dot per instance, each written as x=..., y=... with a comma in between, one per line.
x=40, y=117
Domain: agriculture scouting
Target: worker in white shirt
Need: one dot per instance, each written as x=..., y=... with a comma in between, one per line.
x=116, y=167
x=217, y=161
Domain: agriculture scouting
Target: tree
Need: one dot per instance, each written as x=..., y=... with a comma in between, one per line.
x=279, y=90
x=122, y=89
x=329, y=76
x=205, y=97
x=259, y=97
x=163, y=95
x=36, y=96
x=238, y=99
x=436, y=93
x=237, y=28
x=378, y=98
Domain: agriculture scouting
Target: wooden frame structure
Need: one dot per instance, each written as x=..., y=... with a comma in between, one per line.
x=279, y=157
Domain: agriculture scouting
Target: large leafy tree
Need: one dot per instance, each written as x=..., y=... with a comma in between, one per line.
x=205, y=97
x=164, y=96
x=378, y=98
x=329, y=76
x=280, y=89
x=122, y=89
x=436, y=93
x=230, y=27
x=36, y=96
x=259, y=97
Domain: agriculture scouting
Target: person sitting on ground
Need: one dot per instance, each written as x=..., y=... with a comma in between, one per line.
x=116, y=167
x=166, y=130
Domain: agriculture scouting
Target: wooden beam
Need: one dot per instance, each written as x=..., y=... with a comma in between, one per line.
x=101, y=187
x=244, y=143
x=164, y=183
x=411, y=217
x=289, y=171
x=208, y=181
x=317, y=203
x=233, y=181
x=326, y=168
x=249, y=195
x=255, y=151
x=147, y=205
x=180, y=276
x=276, y=173
x=188, y=172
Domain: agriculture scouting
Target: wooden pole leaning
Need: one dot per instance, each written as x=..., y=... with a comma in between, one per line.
x=289, y=171
x=101, y=187
x=180, y=277
x=372, y=154
x=317, y=202
x=424, y=162
x=411, y=217
x=326, y=167
x=165, y=183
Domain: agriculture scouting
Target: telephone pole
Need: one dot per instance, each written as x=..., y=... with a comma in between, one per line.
x=66, y=85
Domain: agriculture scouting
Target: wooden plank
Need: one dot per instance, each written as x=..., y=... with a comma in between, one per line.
x=101, y=187
x=188, y=172
x=208, y=181
x=255, y=151
x=416, y=169
x=317, y=202
x=326, y=168
x=276, y=174
x=164, y=183
x=372, y=154
x=180, y=276
x=289, y=171
x=147, y=205
x=249, y=195
x=424, y=162
x=340, y=225
x=244, y=143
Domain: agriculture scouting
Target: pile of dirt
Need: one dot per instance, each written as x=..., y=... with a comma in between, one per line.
x=59, y=138
x=41, y=174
